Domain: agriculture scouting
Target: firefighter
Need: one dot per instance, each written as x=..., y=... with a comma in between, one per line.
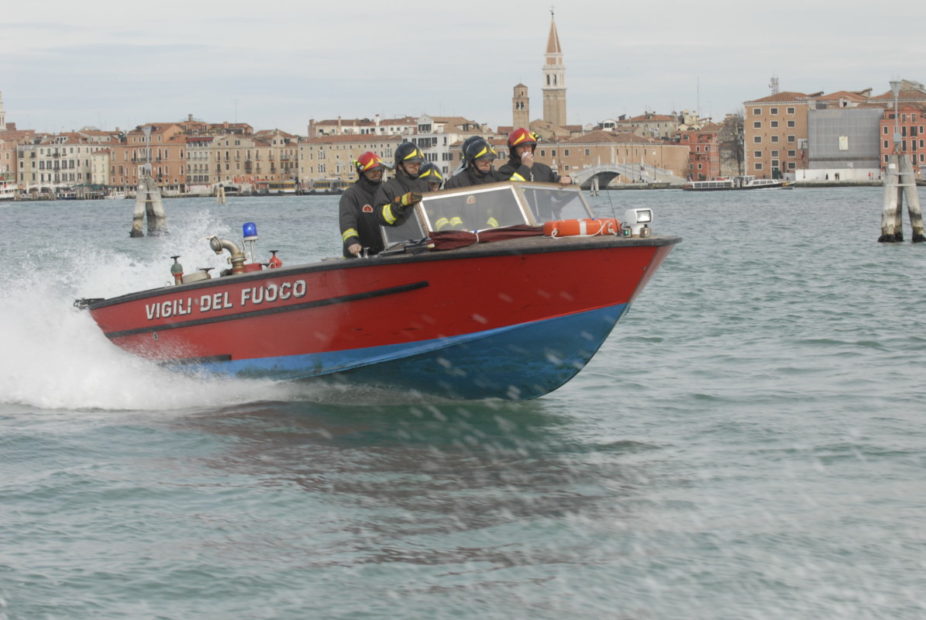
x=478, y=156
x=521, y=165
x=359, y=228
x=431, y=175
x=396, y=198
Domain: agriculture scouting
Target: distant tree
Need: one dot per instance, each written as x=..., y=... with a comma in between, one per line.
x=732, y=152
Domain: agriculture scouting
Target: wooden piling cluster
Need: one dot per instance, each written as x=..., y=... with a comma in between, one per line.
x=148, y=205
x=899, y=182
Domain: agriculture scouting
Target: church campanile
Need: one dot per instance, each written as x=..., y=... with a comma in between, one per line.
x=520, y=107
x=554, y=80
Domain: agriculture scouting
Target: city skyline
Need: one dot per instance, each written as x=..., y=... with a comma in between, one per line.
x=66, y=67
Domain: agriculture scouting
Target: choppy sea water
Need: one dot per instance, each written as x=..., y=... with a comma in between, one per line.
x=749, y=443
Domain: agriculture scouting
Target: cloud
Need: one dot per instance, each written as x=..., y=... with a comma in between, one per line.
x=65, y=66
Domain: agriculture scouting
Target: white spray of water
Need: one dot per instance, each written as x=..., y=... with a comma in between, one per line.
x=54, y=356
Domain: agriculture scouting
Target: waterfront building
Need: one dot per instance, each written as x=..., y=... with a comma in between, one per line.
x=279, y=151
x=235, y=159
x=100, y=167
x=404, y=126
x=715, y=149
x=326, y=162
x=829, y=137
x=703, y=152
x=842, y=144
x=198, y=170
x=775, y=134
x=10, y=139
x=647, y=125
x=642, y=159
x=638, y=158
x=163, y=145
x=51, y=162
x=909, y=122
x=7, y=157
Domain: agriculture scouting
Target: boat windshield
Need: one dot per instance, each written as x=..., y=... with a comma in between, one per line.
x=484, y=207
x=550, y=202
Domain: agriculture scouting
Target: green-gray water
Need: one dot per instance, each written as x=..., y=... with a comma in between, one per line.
x=749, y=443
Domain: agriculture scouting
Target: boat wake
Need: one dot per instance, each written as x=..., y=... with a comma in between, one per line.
x=55, y=357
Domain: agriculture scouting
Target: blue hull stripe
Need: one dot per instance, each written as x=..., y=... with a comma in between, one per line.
x=515, y=362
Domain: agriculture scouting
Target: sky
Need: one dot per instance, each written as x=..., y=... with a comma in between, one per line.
x=65, y=65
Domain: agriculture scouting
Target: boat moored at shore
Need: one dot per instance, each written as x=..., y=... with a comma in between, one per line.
x=738, y=182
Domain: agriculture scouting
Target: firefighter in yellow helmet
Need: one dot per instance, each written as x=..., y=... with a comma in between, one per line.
x=396, y=198
x=478, y=156
x=431, y=175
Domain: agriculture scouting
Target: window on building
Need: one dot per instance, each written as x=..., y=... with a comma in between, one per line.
x=757, y=139
x=773, y=111
x=757, y=111
x=790, y=123
x=757, y=154
x=774, y=153
x=774, y=138
x=790, y=110
x=792, y=153
x=758, y=165
x=775, y=163
x=774, y=123
x=757, y=125
x=791, y=165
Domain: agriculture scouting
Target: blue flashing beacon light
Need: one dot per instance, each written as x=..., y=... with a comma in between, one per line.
x=249, y=232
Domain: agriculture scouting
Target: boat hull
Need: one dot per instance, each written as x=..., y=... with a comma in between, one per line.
x=513, y=319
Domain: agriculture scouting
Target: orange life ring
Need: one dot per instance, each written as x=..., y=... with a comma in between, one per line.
x=582, y=228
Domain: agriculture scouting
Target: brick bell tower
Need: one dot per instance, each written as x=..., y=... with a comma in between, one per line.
x=554, y=80
x=520, y=107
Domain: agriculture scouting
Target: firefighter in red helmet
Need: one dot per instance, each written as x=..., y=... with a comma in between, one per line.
x=521, y=165
x=359, y=228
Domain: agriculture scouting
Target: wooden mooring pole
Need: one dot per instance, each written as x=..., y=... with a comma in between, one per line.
x=148, y=206
x=899, y=182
